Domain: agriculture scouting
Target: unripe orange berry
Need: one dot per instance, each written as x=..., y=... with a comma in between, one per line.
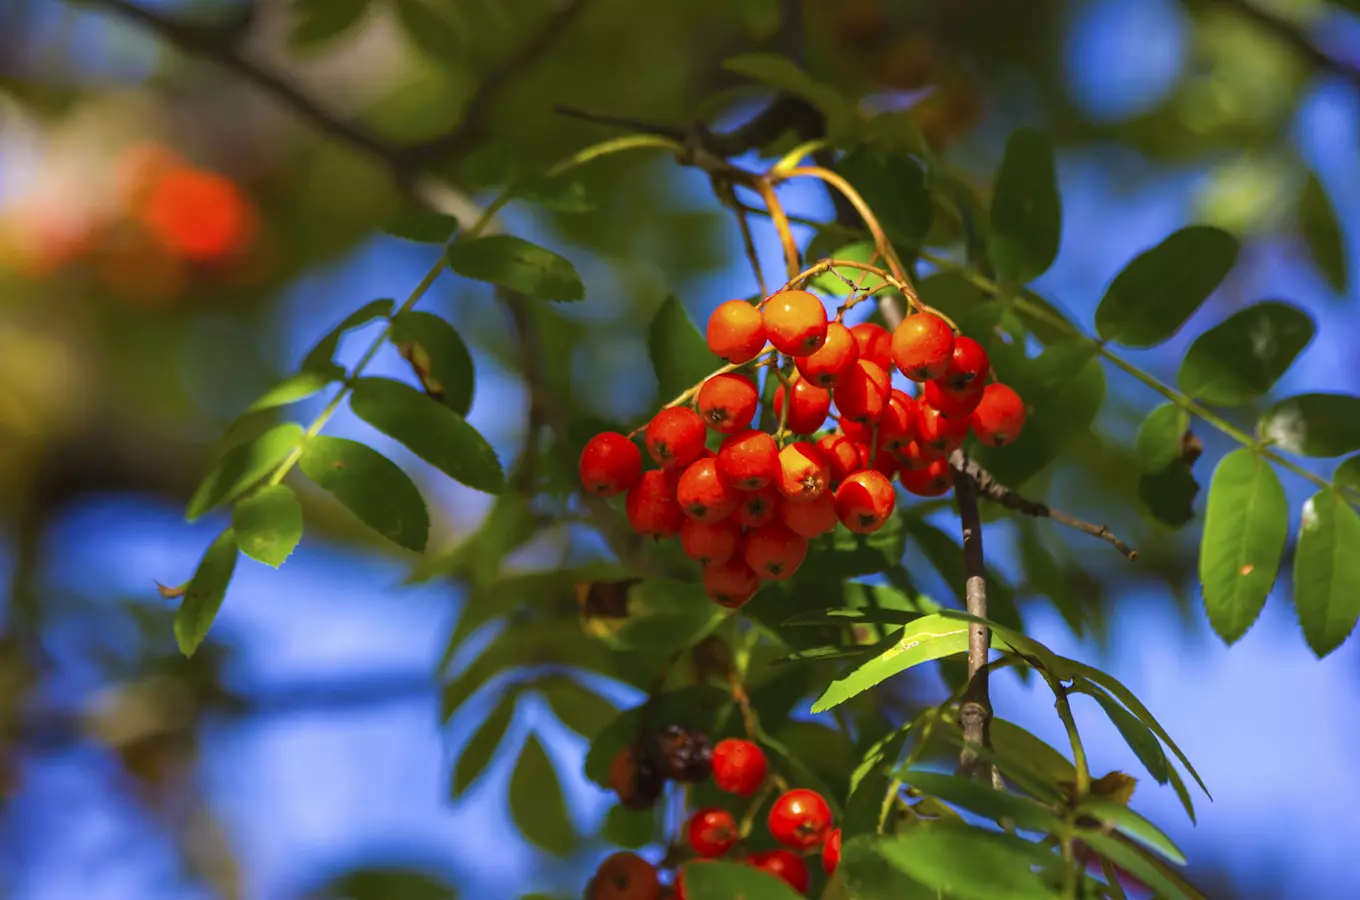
x=934, y=480
x=842, y=456
x=774, y=551
x=803, y=474
x=749, y=460
x=810, y=519
x=736, y=331
x=862, y=393
x=897, y=426
x=922, y=346
x=732, y=583
x=675, y=437
x=999, y=416
x=757, y=507
x=865, y=501
x=610, y=464
x=651, y=506
x=811, y=405
x=825, y=367
x=795, y=322
x=705, y=495
x=936, y=433
x=952, y=404
x=710, y=543
x=728, y=402
x=875, y=344
x=968, y=365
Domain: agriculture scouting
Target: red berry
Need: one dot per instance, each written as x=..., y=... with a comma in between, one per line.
x=923, y=346
x=710, y=543
x=915, y=457
x=774, y=551
x=728, y=402
x=624, y=876
x=842, y=456
x=859, y=432
x=862, y=393
x=800, y=819
x=865, y=501
x=810, y=519
x=825, y=367
x=968, y=365
x=757, y=507
x=675, y=437
x=831, y=853
x=738, y=766
x=749, y=460
x=711, y=832
x=897, y=426
x=952, y=404
x=936, y=433
x=875, y=344
x=787, y=867
x=999, y=416
x=934, y=480
x=610, y=464
x=703, y=494
x=882, y=462
x=651, y=506
x=795, y=322
x=803, y=473
x=811, y=406
x=732, y=583
x=736, y=331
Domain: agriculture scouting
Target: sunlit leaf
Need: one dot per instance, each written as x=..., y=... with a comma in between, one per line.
x=984, y=800
x=369, y=485
x=295, y=387
x=203, y=597
x=864, y=873
x=1159, y=437
x=833, y=282
x=1136, y=864
x=1321, y=229
x=514, y=263
x=1026, y=209
x=999, y=866
x=1236, y=362
x=1327, y=571
x=680, y=354
x=1131, y=823
x=321, y=358
x=268, y=524
x=440, y=357
x=242, y=467
x=536, y=803
x=1318, y=424
x=1138, y=736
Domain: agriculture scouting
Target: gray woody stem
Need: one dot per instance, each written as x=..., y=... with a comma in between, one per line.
x=975, y=715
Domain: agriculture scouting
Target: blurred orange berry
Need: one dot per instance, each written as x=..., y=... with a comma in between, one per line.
x=199, y=216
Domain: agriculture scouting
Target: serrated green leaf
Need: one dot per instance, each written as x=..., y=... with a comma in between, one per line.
x=1327, y=572
x=999, y=866
x=481, y=748
x=579, y=708
x=1236, y=362
x=369, y=485
x=1161, y=288
x=1026, y=209
x=784, y=75
x=1245, y=527
x=204, y=594
x=1119, y=816
x=514, y=263
x=430, y=29
x=894, y=186
x=430, y=430
x=1318, y=424
x=440, y=357
x=1169, y=494
x=1138, y=736
x=984, y=800
x=321, y=358
x=268, y=524
x=317, y=22
x=1136, y=864
x=631, y=829
x=719, y=880
x=1159, y=437
x=298, y=386
x=680, y=354
x=242, y=467
x=1322, y=235
x=536, y=803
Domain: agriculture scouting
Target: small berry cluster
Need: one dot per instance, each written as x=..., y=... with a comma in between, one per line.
x=747, y=511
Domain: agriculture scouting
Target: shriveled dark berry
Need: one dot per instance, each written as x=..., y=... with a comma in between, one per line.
x=683, y=754
x=636, y=778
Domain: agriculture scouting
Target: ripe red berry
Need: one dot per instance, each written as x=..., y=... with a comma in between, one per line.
x=811, y=406
x=732, y=583
x=774, y=551
x=728, y=402
x=787, y=867
x=897, y=426
x=624, y=876
x=710, y=543
x=736, y=331
x=936, y=433
x=610, y=464
x=859, y=432
x=757, y=507
x=862, y=393
x=703, y=494
x=738, y=766
x=865, y=501
x=711, y=832
x=934, y=480
x=651, y=505
x=675, y=437
x=749, y=460
x=800, y=819
x=795, y=322
x=842, y=456
x=825, y=367
x=810, y=519
x=803, y=473
x=968, y=365
x=952, y=404
x=915, y=457
x=922, y=346
x=875, y=344
x=882, y=462
x=999, y=416
x=831, y=853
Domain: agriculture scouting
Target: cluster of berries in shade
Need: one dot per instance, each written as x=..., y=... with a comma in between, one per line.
x=747, y=511
x=799, y=820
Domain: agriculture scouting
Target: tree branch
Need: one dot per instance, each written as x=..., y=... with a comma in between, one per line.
x=1295, y=37
x=975, y=714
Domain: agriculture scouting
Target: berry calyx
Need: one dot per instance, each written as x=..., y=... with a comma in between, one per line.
x=757, y=507
x=795, y=322
x=936, y=433
x=866, y=500
x=675, y=437
x=811, y=405
x=651, y=506
x=736, y=331
x=968, y=365
x=811, y=519
x=875, y=344
x=739, y=766
x=803, y=474
x=999, y=416
x=610, y=464
x=710, y=543
x=800, y=819
x=728, y=402
x=749, y=460
x=732, y=583
x=711, y=832
x=774, y=551
x=934, y=480
x=922, y=346
x=787, y=867
x=825, y=366
x=831, y=853
x=624, y=876
x=862, y=393
x=703, y=494
x=951, y=404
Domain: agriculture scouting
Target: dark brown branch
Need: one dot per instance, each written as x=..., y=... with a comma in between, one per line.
x=975, y=713
x=1295, y=37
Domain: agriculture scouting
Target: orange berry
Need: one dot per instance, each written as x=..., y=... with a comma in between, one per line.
x=922, y=346
x=736, y=331
x=999, y=416
x=811, y=406
x=865, y=501
x=934, y=480
x=936, y=433
x=952, y=404
x=897, y=426
x=624, y=876
x=875, y=344
x=197, y=215
x=803, y=474
x=968, y=365
x=774, y=551
x=710, y=543
x=810, y=519
x=825, y=367
x=795, y=322
x=651, y=505
x=675, y=437
x=732, y=583
x=703, y=494
x=749, y=460
x=862, y=393
x=842, y=456
x=914, y=457
x=757, y=507
x=728, y=402
x=610, y=464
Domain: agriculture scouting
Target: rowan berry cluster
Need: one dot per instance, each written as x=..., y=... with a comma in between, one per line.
x=746, y=511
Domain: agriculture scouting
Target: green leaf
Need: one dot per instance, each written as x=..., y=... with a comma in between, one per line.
x=1026, y=209
x=715, y=879
x=203, y=596
x=861, y=251
x=1048, y=577
x=553, y=193
x=760, y=17
x=680, y=354
x=431, y=30
x=894, y=186
x=852, y=617
x=1138, y=736
x=843, y=554
x=478, y=558
x=481, y=748
x=1236, y=362
x=514, y=263
x=430, y=430
x=536, y=802
x=1161, y=288
x=268, y=524
x=383, y=883
x=1119, y=816
x=998, y=866
x=1159, y=437
x=1245, y=527
x=369, y=485
x=423, y=226
x=864, y=873
x=666, y=615
x=321, y=358
x=984, y=800
x=1322, y=234
x=295, y=387
x=947, y=557
x=631, y=829
x=1313, y=424
x=439, y=356
x=242, y=466
x=783, y=75
x=1327, y=572
x=317, y=22
x=1136, y=864
x=579, y=708
x=1347, y=474
x=1169, y=494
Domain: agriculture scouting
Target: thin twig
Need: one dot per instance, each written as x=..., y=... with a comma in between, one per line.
x=975, y=712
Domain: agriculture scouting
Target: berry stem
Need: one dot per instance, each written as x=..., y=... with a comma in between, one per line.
x=689, y=393
x=781, y=224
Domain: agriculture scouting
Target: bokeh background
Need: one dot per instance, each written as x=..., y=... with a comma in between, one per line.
x=173, y=240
